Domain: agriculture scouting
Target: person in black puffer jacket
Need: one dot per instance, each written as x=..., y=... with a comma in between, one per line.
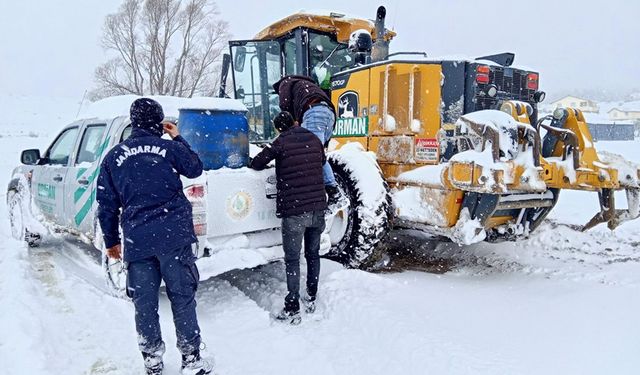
x=301, y=203
x=312, y=109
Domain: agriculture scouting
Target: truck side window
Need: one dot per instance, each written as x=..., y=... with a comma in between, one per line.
x=61, y=149
x=126, y=133
x=90, y=145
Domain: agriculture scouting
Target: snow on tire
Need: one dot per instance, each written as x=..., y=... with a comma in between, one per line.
x=20, y=215
x=16, y=215
x=357, y=231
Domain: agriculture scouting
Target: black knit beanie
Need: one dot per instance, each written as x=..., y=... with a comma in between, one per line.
x=283, y=121
x=147, y=114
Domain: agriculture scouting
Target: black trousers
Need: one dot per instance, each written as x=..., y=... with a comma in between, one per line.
x=308, y=227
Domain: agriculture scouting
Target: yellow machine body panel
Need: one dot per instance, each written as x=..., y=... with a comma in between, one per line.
x=393, y=109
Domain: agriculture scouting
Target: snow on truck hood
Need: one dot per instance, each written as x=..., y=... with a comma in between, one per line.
x=119, y=105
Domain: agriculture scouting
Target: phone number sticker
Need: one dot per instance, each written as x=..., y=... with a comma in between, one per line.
x=427, y=150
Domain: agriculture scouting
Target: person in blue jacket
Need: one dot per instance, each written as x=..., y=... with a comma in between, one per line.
x=139, y=189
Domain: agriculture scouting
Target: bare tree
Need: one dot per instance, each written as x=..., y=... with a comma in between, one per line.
x=162, y=47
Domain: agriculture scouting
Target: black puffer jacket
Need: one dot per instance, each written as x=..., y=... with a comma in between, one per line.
x=299, y=158
x=297, y=93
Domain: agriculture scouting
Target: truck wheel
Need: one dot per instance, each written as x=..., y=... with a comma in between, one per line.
x=115, y=272
x=17, y=217
x=356, y=232
x=115, y=276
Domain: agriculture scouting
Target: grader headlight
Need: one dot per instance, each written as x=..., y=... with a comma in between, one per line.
x=492, y=91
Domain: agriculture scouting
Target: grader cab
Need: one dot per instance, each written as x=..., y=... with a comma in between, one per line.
x=450, y=146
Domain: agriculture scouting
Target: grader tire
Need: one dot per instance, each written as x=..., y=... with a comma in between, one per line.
x=358, y=230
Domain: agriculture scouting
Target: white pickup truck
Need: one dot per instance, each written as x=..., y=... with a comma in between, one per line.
x=233, y=209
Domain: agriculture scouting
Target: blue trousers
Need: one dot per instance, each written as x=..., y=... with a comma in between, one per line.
x=178, y=270
x=319, y=120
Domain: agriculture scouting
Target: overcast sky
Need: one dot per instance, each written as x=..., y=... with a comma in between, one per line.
x=52, y=47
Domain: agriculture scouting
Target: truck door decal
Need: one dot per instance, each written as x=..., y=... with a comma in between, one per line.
x=47, y=191
x=81, y=191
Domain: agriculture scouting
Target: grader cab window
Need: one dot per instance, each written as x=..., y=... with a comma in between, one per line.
x=326, y=58
x=256, y=67
x=258, y=64
x=290, y=48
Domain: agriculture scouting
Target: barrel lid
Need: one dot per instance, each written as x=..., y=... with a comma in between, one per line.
x=213, y=104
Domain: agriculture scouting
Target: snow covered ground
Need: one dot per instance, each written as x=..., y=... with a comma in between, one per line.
x=562, y=302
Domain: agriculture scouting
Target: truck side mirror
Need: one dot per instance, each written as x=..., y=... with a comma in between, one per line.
x=30, y=157
x=239, y=58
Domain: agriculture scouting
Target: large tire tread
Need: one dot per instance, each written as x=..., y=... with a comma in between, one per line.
x=361, y=245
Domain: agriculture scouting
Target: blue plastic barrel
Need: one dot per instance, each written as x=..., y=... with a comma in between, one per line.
x=219, y=137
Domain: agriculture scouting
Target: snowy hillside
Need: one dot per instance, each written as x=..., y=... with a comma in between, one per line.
x=561, y=302
x=33, y=115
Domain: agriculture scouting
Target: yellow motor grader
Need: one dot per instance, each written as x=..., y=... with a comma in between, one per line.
x=451, y=146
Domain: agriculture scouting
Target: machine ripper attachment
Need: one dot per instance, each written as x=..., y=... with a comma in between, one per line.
x=509, y=157
x=569, y=144
x=503, y=178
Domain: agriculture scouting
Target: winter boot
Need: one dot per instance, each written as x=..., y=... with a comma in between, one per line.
x=289, y=316
x=193, y=364
x=309, y=303
x=153, y=363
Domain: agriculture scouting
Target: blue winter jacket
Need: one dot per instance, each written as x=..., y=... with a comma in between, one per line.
x=141, y=176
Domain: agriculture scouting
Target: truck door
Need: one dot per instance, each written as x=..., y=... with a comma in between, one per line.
x=48, y=177
x=81, y=177
x=257, y=65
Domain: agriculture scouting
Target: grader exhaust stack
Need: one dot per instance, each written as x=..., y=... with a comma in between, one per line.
x=380, y=49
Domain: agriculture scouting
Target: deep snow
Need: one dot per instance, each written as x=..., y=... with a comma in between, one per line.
x=561, y=302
